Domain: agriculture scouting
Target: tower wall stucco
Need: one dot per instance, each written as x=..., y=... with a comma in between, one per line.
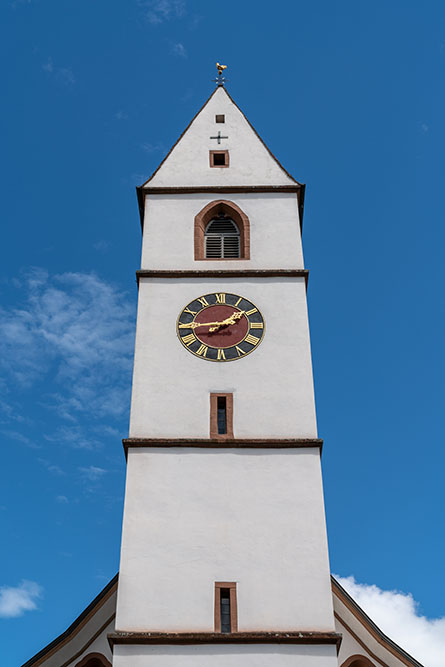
x=275, y=235
x=272, y=387
x=259, y=655
x=196, y=516
x=250, y=161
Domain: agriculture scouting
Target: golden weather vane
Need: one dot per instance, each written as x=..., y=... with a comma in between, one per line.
x=220, y=80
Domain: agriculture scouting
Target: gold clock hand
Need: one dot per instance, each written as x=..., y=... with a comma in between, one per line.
x=214, y=325
x=194, y=325
x=234, y=317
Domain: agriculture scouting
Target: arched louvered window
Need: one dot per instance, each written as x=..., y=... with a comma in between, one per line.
x=221, y=232
x=222, y=238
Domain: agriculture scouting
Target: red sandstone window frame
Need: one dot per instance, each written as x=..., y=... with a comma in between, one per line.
x=231, y=585
x=212, y=159
x=214, y=416
x=231, y=210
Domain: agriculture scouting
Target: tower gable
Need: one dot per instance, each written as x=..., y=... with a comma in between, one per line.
x=247, y=160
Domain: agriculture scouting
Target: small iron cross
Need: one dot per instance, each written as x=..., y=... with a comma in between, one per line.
x=219, y=137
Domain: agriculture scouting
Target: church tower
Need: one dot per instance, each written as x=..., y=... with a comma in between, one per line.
x=224, y=558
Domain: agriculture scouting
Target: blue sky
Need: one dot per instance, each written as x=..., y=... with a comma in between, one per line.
x=350, y=97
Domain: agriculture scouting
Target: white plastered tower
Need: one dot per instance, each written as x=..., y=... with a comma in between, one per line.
x=242, y=510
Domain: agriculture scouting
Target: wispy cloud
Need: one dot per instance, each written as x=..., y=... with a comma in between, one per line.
x=92, y=473
x=102, y=245
x=152, y=148
x=397, y=614
x=73, y=435
x=105, y=429
x=8, y=411
x=61, y=74
x=51, y=467
x=121, y=115
x=63, y=500
x=178, y=49
x=17, y=3
x=15, y=600
x=195, y=22
x=159, y=11
x=74, y=331
x=19, y=437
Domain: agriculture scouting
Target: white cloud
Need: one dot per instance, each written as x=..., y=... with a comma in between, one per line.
x=51, y=467
x=151, y=148
x=397, y=615
x=75, y=332
x=195, y=22
x=179, y=50
x=93, y=473
x=63, y=500
x=48, y=66
x=108, y=430
x=74, y=436
x=19, y=437
x=62, y=74
x=15, y=600
x=159, y=11
x=8, y=411
x=102, y=245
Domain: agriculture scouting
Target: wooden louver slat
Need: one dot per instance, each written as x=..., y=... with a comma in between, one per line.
x=222, y=239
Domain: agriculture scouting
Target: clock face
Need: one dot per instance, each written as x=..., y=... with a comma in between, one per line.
x=220, y=327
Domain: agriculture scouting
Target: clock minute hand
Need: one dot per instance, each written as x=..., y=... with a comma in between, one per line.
x=214, y=326
x=234, y=317
x=195, y=325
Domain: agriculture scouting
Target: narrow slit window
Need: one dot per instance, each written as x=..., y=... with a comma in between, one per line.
x=226, y=613
x=222, y=415
x=224, y=602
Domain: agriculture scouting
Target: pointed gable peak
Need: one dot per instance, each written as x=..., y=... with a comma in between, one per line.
x=219, y=148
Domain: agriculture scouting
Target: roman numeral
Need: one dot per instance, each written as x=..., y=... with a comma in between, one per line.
x=256, y=325
x=189, y=339
x=220, y=298
x=240, y=351
x=251, y=311
x=221, y=355
x=202, y=352
x=253, y=340
x=203, y=301
x=192, y=312
x=239, y=301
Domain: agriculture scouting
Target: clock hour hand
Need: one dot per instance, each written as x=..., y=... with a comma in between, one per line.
x=234, y=317
x=195, y=325
x=214, y=326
